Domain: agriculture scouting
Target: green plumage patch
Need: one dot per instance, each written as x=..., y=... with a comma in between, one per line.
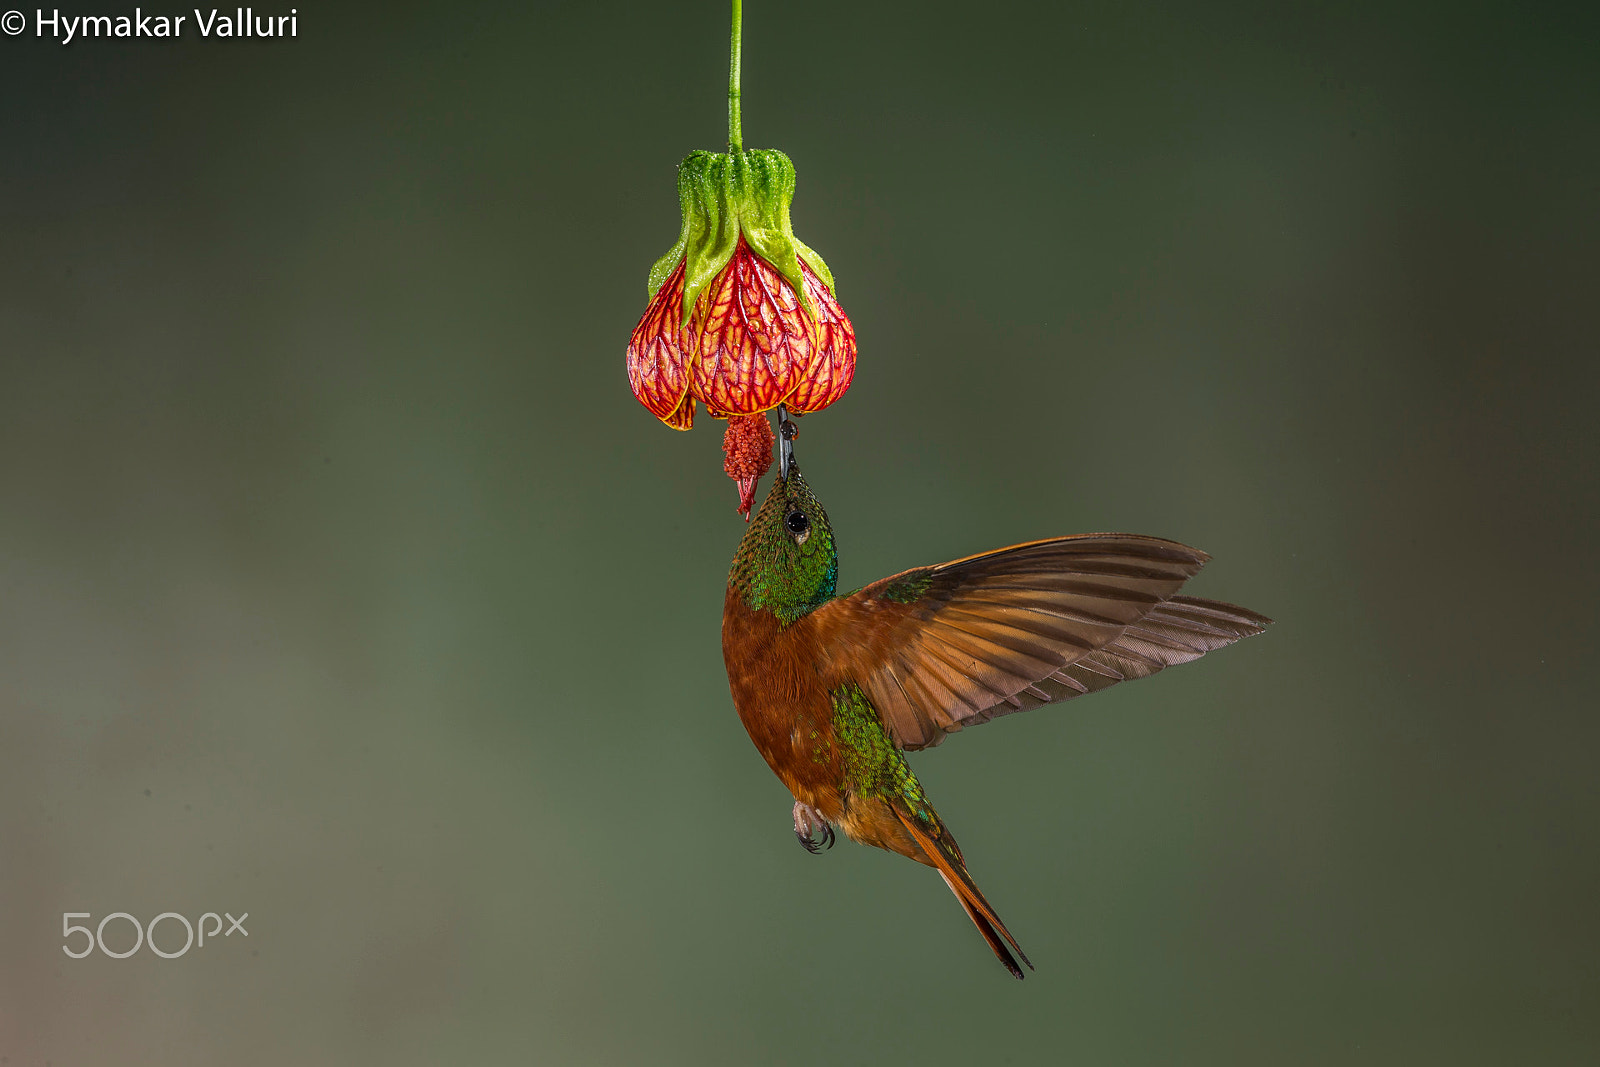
x=874, y=766
x=909, y=587
x=775, y=569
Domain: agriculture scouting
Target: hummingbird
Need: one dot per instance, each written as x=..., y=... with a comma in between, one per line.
x=835, y=690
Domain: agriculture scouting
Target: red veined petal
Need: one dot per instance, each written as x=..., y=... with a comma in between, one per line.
x=658, y=358
x=833, y=363
x=683, y=417
x=754, y=342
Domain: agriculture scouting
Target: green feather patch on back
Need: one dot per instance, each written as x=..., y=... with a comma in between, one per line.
x=874, y=766
x=908, y=588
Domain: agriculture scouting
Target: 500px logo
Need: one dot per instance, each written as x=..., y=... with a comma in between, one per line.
x=145, y=934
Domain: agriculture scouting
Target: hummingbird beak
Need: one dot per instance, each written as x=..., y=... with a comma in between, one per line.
x=787, y=432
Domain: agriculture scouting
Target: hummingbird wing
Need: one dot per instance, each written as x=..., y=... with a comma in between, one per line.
x=940, y=648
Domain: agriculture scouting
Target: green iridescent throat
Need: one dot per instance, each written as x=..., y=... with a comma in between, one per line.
x=778, y=570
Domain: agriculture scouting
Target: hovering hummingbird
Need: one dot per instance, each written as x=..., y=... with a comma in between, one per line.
x=834, y=690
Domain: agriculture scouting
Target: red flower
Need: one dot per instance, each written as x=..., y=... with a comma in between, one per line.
x=747, y=347
x=742, y=315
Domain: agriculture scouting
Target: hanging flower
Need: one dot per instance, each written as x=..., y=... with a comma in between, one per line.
x=742, y=315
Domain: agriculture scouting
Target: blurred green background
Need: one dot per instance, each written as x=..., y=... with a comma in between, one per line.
x=343, y=583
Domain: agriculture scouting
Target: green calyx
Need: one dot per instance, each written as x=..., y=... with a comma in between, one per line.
x=724, y=195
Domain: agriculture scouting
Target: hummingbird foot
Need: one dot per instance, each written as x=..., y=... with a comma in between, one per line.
x=813, y=831
x=787, y=432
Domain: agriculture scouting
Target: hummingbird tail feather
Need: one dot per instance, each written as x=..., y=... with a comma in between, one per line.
x=946, y=859
x=997, y=946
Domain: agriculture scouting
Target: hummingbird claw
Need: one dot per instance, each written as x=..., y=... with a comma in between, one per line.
x=811, y=829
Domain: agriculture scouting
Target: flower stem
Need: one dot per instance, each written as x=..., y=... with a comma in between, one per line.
x=735, y=130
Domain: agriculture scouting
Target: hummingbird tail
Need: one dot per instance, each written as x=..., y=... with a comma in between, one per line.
x=1001, y=951
x=944, y=857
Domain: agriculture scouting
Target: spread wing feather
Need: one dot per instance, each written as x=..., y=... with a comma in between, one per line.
x=940, y=648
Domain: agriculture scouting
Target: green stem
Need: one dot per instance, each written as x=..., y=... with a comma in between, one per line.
x=735, y=130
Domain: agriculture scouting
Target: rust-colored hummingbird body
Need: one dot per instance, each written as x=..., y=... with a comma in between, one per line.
x=833, y=690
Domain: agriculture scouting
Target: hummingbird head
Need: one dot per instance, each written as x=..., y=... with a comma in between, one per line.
x=787, y=563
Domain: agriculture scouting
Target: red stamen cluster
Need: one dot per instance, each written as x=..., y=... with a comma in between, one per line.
x=747, y=455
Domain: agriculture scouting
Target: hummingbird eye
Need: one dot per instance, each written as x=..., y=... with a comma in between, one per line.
x=796, y=522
